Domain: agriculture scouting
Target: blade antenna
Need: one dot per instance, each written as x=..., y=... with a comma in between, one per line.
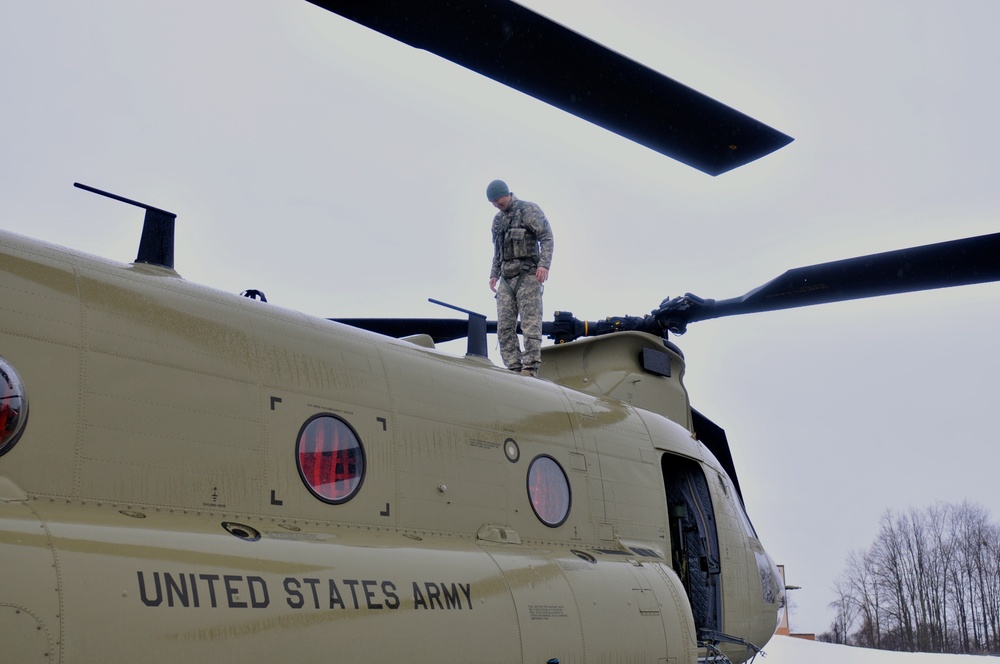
x=477, y=329
x=156, y=245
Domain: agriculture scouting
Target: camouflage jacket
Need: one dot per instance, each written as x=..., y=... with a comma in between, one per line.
x=522, y=240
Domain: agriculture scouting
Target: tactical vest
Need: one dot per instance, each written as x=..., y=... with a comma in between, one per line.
x=518, y=246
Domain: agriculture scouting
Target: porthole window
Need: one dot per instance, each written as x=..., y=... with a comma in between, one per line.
x=548, y=490
x=330, y=458
x=13, y=406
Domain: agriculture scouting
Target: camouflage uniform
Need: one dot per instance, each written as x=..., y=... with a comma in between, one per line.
x=522, y=242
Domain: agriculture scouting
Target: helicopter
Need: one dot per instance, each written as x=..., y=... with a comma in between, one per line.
x=353, y=494
x=131, y=535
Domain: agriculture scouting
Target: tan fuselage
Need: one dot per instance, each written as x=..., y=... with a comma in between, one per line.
x=154, y=510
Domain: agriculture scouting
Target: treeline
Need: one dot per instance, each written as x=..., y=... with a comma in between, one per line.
x=929, y=583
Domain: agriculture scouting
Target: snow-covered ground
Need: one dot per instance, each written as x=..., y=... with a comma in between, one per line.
x=788, y=650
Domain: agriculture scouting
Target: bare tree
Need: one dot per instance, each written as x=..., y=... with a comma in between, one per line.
x=929, y=582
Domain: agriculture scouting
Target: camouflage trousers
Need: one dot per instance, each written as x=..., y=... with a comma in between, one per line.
x=525, y=304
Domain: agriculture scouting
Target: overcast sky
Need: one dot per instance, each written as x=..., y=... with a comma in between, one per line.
x=344, y=174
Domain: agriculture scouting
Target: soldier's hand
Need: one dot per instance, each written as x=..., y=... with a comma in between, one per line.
x=542, y=274
x=493, y=284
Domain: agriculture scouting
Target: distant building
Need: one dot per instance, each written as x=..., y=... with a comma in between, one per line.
x=783, y=624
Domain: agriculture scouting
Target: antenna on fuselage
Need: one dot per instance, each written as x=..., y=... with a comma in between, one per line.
x=477, y=329
x=156, y=245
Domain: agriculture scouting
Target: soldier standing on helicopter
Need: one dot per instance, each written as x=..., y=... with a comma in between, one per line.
x=522, y=256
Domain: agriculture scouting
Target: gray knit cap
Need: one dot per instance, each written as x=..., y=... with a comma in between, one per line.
x=496, y=189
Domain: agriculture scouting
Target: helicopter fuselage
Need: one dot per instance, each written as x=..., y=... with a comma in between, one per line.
x=202, y=476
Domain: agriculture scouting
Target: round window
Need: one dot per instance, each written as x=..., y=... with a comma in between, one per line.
x=548, y=490
x=331, y=459
x=13, y=406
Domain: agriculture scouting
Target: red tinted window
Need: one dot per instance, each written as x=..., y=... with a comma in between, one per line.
x=548, y=490
x=330, y=458
x=13, y=406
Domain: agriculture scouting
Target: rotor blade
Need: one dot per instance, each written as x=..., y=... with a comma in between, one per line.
x=945, y=264
x=528, y=52
x=439, y=329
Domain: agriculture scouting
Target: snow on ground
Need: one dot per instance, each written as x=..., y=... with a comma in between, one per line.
x=788, y=650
